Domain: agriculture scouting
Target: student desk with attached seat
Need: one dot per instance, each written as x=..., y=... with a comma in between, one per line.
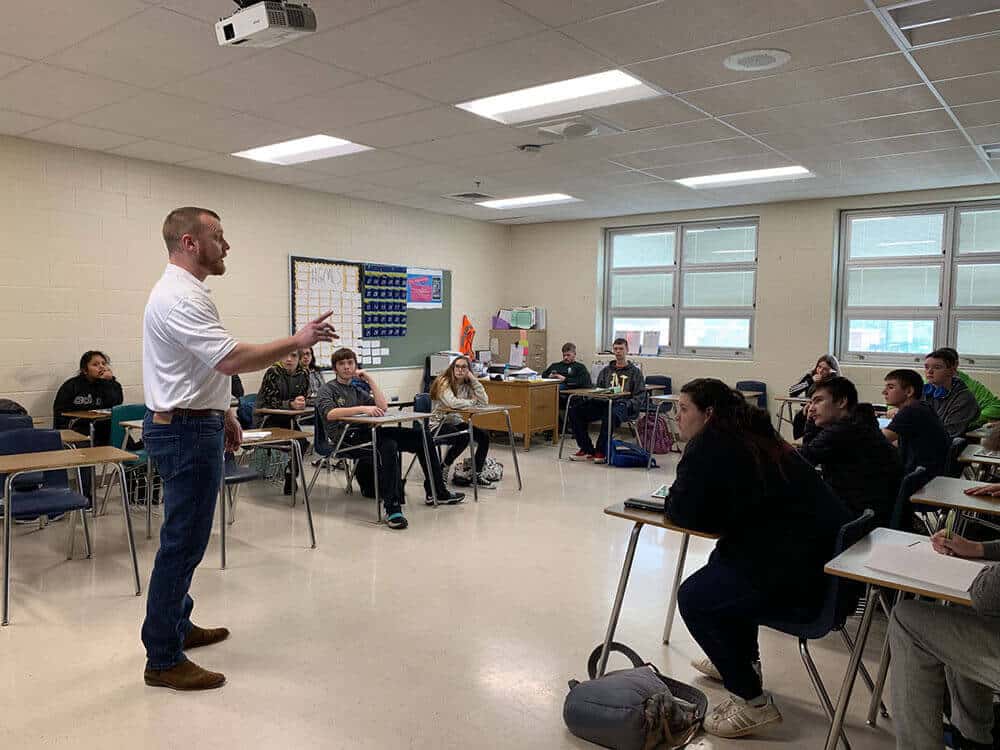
x=989, y=464
x=949, y=493
x=786, y=405
x=71, y=458
x=642, y=518
x=852, y=564
x=470, y=413
x=92, y=416
x=537, y=403
x=600, y=394
x=294, y=414
x=72, y=437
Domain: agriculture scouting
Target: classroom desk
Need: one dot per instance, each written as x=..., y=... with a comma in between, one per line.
x=600, y=394
x=295, y=414
x=387, y=419
x=949, y=493
x=72, y=437
x=538, y=402
x=71, y=458
x=277, y=436
x=977, y=434
x=469, y=413
x=93, y=416
x=642, y=518
x=988, y=464
x=786, y=405
x=851, y=564
x=129, y=425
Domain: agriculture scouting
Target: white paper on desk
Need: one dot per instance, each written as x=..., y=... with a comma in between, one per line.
x=921, y=563
x=524, y=371
x=255, y=434
x=516, y=358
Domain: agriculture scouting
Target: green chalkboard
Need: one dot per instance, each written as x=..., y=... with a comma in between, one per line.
x=427, y=330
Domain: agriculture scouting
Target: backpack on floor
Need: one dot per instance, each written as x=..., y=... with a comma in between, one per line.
x=655, y=436
x=633, y=709
x=492, y=471
x=629, y=455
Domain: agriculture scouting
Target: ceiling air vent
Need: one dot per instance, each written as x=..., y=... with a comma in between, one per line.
x=756, y=60
x=573, y=127
x=471, y=197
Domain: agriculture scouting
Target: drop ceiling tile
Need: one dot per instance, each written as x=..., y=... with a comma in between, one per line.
x=416, y=127
x=842, y=109
x=271, y=76
x=562, y=12
x=824, y=43
x=610, y=146
x=418, y=32
x=16, y=123
x=37, y=30
x=720, y=166
x=970, y=89
x=527, y=174
x=648, y=113
x=659, y=29
x=455, y=148
x=423, y=174
x=984, y=113
x=233, y=165
x=155, y=115
x=692, y=153
x=985, y=134
x=340, y=185
x=150, y=49
x=152, y=150
x=47, y=91
x=883, y=146
x=530, y=61
x=329, y=13
x=814, y=84
x=80, y=136
x=328, y=111
x=861, y=130
x=362, y=163
x=948, y=159
x=238, y=132
x=960, y=58
x=9, y=64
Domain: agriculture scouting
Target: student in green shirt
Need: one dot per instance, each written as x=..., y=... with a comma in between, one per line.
x=568, y=371
x=989, y=403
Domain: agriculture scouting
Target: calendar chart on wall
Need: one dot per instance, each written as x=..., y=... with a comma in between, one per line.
x=383, y=328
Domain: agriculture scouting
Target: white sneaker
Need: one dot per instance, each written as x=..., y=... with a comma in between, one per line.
x=734, y=717
x=708, y=669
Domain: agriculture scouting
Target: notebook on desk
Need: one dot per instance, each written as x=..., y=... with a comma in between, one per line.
x=643, y=503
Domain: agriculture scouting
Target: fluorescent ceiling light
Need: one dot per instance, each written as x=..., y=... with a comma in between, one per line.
x=547, y=199
x=561, y=97
x=745, y=178
x=310, y=148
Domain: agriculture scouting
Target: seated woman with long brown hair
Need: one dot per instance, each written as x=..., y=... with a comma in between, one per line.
x=457, y=388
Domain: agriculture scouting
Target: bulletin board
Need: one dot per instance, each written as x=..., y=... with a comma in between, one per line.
x=320, y=284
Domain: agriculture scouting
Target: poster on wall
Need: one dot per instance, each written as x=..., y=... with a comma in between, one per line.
x=383, y=302
x=424, y=288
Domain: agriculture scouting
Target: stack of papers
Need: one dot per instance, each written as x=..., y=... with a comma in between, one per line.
x=256, y=434
x=919, y=562
x=662, y=491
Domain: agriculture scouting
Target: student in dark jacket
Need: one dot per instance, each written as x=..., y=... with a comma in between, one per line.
x=915, y=427
x=826, y=367
x=93, y=387
x=569, y=372
x=284, y=386
x=620, y=373
x=946, y=394
x=777, y=523
x=857, y=461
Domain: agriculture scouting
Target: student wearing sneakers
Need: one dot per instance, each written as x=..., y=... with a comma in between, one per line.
x=946, y=394
x=857, y=461
x=953, y=650
x=777, y=522
x=457, y=388
x=569, y=372
x=915, y=428
x=355, y=392
x=620, y=373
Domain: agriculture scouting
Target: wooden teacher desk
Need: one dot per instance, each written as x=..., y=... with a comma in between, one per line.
x=537, y=403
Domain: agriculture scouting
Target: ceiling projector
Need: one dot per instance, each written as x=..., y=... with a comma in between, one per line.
x=268, y=23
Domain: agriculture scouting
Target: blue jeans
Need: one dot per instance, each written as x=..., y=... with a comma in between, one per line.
x=189, y=456
x=581, y=414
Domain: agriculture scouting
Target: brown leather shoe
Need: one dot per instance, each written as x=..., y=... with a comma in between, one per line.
x=184, y=676
x=204, y=637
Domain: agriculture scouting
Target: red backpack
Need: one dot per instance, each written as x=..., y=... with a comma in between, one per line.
x=655, y=436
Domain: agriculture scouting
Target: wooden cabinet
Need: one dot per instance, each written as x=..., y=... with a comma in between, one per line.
x=538, y=407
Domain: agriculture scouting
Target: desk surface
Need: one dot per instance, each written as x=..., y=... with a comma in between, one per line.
x=792, y=399
x=91, y=414
x=969, y=456
x=651, y=518
x=594, y=393
x=388, y=418
x=946, y=492
x=977, y=434
x=131, y=424
x=851, y=563
x=535, y=383
x=72, y=437
x=480, y=409
x=285, y=412
x=278, y=435
x=69, y=458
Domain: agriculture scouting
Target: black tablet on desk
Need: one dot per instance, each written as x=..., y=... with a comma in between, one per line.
x=655, y=504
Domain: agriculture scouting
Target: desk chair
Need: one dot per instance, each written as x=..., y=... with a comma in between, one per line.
x=234, y=474
x=135, y=471
x=752, y=386
x=422, y=403
x=352, y=453
x=839, y=602
x=32, y=479
x=910, y=484
x=952, y=467
x=52, y=497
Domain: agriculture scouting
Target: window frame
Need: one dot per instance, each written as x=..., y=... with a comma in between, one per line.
x=677, y=313
x=946, y=314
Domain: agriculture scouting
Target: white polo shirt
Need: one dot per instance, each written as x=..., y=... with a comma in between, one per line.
x=182, y=342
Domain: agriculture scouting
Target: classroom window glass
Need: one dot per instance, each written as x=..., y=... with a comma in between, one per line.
x=696, y=278
x=916, y=279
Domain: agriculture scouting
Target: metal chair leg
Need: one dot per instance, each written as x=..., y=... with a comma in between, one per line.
x=819, y=687
x=562, y=437
x=297, y=457
x=8, y=522
x=865, y=676
x=513, y=449
x=222, y=523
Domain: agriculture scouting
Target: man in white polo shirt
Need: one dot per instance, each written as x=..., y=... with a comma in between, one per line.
x=188, y=359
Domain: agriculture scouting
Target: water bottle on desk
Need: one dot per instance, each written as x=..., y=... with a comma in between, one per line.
x=506, y=368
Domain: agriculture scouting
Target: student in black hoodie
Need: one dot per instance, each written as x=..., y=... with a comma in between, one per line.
x=93, y=387
x=285, y=386
x=777, y=522
x=858, y=463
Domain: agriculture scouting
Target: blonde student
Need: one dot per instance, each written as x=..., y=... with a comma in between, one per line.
x=457, y=388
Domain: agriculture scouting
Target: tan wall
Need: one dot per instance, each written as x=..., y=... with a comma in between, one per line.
x=797, y=243
x=80, y=249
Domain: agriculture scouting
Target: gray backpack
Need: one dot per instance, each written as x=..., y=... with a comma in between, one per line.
x=633, y=709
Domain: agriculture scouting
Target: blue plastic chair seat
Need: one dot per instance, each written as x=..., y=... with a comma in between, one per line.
x=47, y=501
x=237, y=474
x=25, y=482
